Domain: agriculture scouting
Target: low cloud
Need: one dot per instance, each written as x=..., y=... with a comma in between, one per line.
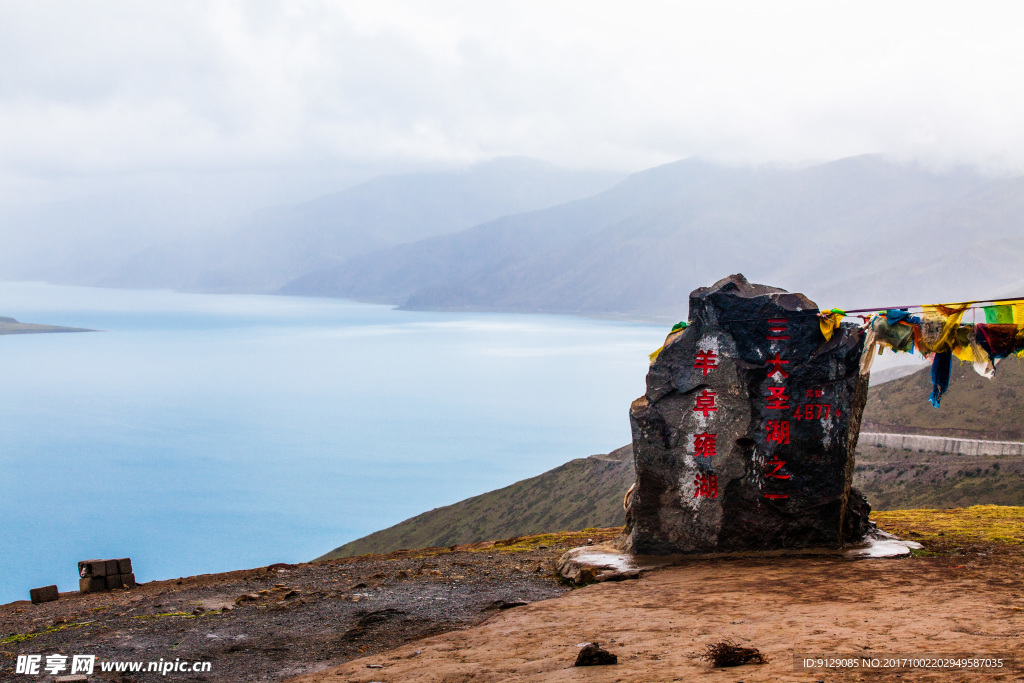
x=125, y=88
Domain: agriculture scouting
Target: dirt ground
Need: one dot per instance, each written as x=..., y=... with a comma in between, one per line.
x=658, y=625
x=443, y=615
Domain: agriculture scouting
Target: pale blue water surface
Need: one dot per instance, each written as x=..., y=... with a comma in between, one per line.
x=203, y=433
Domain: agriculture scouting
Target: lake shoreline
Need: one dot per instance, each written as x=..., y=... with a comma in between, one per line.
x=319, y=405
x=12, y=326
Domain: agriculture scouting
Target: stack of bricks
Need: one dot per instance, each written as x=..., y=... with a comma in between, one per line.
x=105, y=575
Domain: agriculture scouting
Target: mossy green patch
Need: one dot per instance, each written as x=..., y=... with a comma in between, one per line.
x=521, y=544
x=22, y=637
x=979, y=523
x=166, y=614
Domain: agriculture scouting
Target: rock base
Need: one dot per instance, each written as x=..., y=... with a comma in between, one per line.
x=599, y=563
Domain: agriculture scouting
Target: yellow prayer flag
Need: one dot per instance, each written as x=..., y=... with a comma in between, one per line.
x=828, y=321
x=940, y=323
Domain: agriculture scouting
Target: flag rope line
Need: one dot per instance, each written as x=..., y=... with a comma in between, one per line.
x=971, y=305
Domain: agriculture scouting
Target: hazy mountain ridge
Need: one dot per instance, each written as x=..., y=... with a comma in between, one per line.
x=121, y=244
x=520, y=235
x=835, y=231
x=276, y=245
x=393, y=275
x=968, y=246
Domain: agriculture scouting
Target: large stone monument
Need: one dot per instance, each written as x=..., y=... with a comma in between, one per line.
x=745, y=437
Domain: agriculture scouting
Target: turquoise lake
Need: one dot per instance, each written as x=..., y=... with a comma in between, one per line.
x=203, y=433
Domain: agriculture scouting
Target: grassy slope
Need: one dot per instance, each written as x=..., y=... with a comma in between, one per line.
x=973, y=407
x=895, y=479
x=588, y=492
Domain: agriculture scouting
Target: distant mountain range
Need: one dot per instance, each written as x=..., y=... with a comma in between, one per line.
x=850, y=233
x=588, y=492
x=124, y=244
x=522, y=235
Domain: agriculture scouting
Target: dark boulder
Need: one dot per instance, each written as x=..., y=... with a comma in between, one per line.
x=745, y=437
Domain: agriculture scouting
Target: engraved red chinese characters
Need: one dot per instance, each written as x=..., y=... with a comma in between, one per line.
x=706, y=485
x=775, y=366
x=774, y=467
x=777, y=399
x=705, y=361
x=706, y=403
x=705, y=445
x=778, y=431
x=777, y=329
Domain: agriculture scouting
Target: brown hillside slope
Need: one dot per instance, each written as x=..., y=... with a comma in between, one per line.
x=962, y=594
x=974, y=407
x=896, y=479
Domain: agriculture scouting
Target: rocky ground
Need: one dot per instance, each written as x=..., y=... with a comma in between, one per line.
x=273, y=623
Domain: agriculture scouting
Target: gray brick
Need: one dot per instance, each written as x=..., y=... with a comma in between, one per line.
x=87, y=568
x=128, y=580
x=124, y=565
x=92, y=584
x=44, y=594
x=114, y=581
x=112, y=568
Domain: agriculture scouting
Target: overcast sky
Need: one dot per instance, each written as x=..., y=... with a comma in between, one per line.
x=104, y=89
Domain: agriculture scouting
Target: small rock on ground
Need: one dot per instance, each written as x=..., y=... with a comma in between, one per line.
x=593, y=654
